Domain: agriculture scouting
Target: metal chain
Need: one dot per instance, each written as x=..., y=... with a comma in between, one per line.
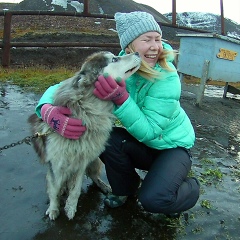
x=26, y=140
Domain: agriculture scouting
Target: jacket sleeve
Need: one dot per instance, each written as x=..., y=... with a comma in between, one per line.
x=160, y=106
x=47, y=97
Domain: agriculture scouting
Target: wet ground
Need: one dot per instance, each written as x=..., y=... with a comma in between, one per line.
x=23, y=198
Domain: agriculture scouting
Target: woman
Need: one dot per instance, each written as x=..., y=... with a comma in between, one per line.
x=153, y=132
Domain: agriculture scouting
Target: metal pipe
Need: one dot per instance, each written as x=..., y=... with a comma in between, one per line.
x=86, y=7
x=222, y=18
x=63, y=44
x=174, y=13
x=48, y=13
x=6, y=39
x=7, y=44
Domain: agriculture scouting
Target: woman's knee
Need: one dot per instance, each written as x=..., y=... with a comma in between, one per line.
x=166, y=202
x=155, y=204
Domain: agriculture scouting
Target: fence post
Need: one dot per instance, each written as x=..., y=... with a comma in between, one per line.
x=6, y=39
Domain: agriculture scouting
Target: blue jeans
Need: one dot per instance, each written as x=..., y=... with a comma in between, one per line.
x=165, y=188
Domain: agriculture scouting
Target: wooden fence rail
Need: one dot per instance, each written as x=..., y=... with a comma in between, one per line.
x=7, y=44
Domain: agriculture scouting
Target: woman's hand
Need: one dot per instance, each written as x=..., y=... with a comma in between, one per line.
x=107, y=88
x=58, y=119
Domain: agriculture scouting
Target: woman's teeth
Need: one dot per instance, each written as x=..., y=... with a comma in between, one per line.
x=150, y=56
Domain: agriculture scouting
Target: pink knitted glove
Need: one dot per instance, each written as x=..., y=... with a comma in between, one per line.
x=106, y=88
x=57, y=118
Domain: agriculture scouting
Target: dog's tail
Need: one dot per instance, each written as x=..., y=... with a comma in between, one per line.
x=39, y=143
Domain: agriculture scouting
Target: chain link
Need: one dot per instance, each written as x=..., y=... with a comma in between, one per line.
x=26, y=140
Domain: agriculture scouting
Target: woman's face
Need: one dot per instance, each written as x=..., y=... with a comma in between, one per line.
x=149, y=46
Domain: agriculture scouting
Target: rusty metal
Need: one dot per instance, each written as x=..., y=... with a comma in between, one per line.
x=6, y=39
x=26, y=140
x=7, y=44
x=63, y=44
x=174, y=13
x=222, y=18
x=48, y=13
x=86, y=7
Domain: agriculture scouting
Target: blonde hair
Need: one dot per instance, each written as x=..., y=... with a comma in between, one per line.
x=148, y=72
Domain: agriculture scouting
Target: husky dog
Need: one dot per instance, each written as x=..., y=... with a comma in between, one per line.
x=68, y=160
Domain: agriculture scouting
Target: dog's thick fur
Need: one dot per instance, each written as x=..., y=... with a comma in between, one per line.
x=68, y=160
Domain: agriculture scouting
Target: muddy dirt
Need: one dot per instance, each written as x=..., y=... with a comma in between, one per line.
x=216, y=163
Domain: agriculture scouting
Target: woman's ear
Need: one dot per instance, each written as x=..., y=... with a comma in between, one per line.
x=127, y=50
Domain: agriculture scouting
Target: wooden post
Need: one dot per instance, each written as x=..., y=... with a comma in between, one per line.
x=6, y=39
x=204, y=78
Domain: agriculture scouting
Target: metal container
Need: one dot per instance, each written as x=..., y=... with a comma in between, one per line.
x=210, y=56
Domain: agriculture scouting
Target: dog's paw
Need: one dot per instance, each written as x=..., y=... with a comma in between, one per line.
x=70, y=211
x=105, y=188
x=52, y=213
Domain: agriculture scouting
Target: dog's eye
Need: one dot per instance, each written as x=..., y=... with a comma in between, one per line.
x=114, y=59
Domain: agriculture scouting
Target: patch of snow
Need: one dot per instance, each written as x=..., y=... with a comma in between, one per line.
x=62, y=3
x=101, y=10
x=200, y=20
x=233, y=35
x=77, y=5
x=113, y=30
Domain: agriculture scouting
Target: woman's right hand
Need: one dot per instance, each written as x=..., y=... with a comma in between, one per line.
x=58, y=119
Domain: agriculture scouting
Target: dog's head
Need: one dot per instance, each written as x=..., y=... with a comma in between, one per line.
x=122, y=66
x=106, y=62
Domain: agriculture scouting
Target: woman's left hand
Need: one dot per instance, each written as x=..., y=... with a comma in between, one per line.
x=107, y=88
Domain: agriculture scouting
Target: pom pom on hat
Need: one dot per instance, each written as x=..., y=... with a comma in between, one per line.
x=131, y=25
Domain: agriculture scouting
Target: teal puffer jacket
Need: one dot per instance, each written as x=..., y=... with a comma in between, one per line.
x=152, y=113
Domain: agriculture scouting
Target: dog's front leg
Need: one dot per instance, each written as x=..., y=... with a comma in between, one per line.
x=53, y=190
x=74, y=193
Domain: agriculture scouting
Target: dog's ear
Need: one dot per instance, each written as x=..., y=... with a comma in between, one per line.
x=82, y=72
x=78, y=78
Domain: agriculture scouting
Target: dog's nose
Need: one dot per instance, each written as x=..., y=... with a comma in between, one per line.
x=137, y=54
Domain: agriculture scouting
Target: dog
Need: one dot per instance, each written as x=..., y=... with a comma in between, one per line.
x=68, y=160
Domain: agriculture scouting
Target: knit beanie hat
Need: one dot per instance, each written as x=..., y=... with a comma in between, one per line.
x=131, y=25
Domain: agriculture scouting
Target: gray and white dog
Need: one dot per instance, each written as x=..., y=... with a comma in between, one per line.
x=68, y=160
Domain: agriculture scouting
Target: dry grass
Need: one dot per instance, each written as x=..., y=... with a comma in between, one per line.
x=34, y=79
x=22, y=25
x=38, y=79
